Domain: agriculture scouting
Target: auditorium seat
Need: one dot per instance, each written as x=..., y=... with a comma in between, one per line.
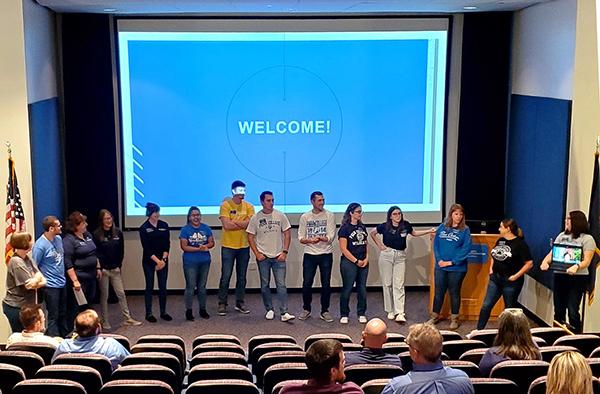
x=266, y=338
x=395, y=337
x=271, y=347
x=148, y=372
x=88, y=377
x=48, y=386
x=473, y=355
x=218, y=357
x=549, y=334
x=215, y=338
x=97, y=361
x=219, y=371
x=586, y=343
x=169, y=348
x=406, y=361
x=122, y=339
x=27, y=361
x=222, y=386
x=522, y=372
x=362, y=373
x=595, y=352
x=136, y=387
x=42, y=349
x=10, y=375
x=280, y=385
x=468, y=367
x=485, y=336
x=374, y=386
x=539, y=341
x=594, y=363
x=352, y=347
x=284, y=371
x=450, y=335
x=548, y=352
x=272, y=358
x=494, y=386
x=329, y=335
x=395, y=347
x=163, y=338
x=218, y=347
x=455, y=348
x=155, y=358
x=538, y=386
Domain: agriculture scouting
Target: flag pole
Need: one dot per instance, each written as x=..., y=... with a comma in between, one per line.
x=9, y=148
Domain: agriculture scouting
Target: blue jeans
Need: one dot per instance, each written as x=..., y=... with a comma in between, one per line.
x=161, y=275
x=12, y=314
x=450, y=281
x=352, y=273
x=310, y=262
x=196, y=275
x=264, y=269
x=499, y=286
x=230, y=256
x=56, y=306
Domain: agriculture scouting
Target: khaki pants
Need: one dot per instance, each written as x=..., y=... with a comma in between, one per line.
x=392, y=266
x=113, y=277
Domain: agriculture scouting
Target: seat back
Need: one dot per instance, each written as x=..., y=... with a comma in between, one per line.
x=470, y=368
x=406, y=360
x=395, y=337
x=48, y=386
x=163, y=338
x=88, y=377
x=585, y=343
x=122, y=339
x=215, y=338
x=278, y=357
x=329, y=335
x=260, y=339
x=494, y=386
x=217, y=386
x=10, y=375
x=485, y=336
x=169, y=348
x=218, y=357
x=522, y=372
x=265, y=348
x=549, y=334
x=395, y=347
x=548, y=352
x=155, y=358
x=42, y=349
x=218, y=347
x=594, y=363
x=97, y=361
x=27, y=361
x=281, y=385
x=473, y=355
x=219, y=371
x=284, y=371
x=374, y=386
x=352, y=347
x=131, y=386
x=362, y=373
x=455, y=349
x=538, y=386
x=448, y=335
x=148, y=372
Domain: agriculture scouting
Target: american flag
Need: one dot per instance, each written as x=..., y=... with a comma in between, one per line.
x=15, y=218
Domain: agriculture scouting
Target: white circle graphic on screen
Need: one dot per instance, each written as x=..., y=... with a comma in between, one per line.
x=284, y=124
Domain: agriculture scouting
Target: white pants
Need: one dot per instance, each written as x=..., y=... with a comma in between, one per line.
x=392, y=265
x=114, y=278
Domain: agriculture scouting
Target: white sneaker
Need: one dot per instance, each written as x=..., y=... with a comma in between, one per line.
x=391, y=316
x=362, y=319
x=287, y=317
x=270, y=315
x=344, y=320
x=400, y=318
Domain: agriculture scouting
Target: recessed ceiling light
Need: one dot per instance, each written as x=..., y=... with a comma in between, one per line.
x=469, y=7
x=110, y=9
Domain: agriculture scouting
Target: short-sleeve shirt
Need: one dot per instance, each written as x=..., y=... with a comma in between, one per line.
x=510, y=255
x=395, y=237
x=49, y=256
x=356, y=234
x=268, y=231
x=18, y=272
x=80, y=254
x=196, y=236
x=235, y=239
x=586, y=241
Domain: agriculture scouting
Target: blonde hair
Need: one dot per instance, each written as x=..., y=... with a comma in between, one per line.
x=427, y=340
x=514, y=336
x=569, y=373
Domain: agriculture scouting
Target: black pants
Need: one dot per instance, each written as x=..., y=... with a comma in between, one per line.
x=568, y=292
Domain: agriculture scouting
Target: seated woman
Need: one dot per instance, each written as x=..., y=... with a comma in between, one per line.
x=513, y=341
x=569, y=373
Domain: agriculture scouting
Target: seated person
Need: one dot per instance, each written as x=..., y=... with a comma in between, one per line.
x=513, y=341
x=374, y=336
x=88, y=340
x=34, y=321
x=325, y=363
x=569, y=373
x=429, y=375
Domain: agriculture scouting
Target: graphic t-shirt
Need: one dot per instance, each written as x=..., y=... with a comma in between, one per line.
x=356, y=234
x=509, y=256
x=196, y=236
x=395, y=237
x=235, y=239
x=268, y=231
x=49, y=256
x=312, y=225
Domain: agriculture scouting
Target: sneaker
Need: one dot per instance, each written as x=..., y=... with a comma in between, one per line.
x=151, y=319
x=166, y=317
x=204, y=314
x=362, y=319
x=189, y=316
x=269, y=316
x=344, y=320
x=242, y=309
x=304, y=315
x=391, y=316
x=326, y=316
x=222, y=309
x=400, y=318
x=106, y=326
x=132, y=322
x=287, y=317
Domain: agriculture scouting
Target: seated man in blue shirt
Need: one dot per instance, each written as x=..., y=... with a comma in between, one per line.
x=87, y=327
x=429, y=374
x=374, y=336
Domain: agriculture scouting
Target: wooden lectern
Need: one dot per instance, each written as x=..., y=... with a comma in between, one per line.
x=475, y=284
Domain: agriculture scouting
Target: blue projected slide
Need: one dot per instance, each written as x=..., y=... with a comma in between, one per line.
x=357, y=115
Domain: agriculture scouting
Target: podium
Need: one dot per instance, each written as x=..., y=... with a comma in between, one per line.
x=475, y=284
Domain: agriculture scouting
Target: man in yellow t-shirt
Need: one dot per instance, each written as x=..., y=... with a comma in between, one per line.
x=235, y=215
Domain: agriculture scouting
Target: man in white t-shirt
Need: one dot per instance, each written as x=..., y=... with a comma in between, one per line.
x=269, y=239
x=33, y=319
x=316, y=231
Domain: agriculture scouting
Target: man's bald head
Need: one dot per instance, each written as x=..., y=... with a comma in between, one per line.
x=87, y=323
x=375, y=334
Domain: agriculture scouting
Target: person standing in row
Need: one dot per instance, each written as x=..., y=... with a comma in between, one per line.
x=451, y=246
x=196, y=240
x=316, y=232
x=392, y=260
x=354, y=262
x=235, y=214
x=269, y=238
x=48, y=253
x=156, y=243
x=110, y=249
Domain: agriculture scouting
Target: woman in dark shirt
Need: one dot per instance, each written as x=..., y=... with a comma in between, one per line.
x=354, y=263
x=81, y=264
x=111, y=250
x=511, y=259
x=154, y=235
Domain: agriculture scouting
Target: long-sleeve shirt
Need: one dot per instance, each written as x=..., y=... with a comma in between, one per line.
x=317, y=224
x=155, y=240
x=110, y=248
x=452, y=244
